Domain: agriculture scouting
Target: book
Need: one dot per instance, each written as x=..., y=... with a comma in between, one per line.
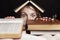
x=43, y=25
x=24, y=4
x=11, y=28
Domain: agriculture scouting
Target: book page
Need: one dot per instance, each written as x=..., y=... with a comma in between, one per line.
x=10, y=26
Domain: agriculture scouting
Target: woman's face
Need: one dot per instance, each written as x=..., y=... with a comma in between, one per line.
x=29, y=13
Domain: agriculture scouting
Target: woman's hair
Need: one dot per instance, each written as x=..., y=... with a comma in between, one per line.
x=31, y=7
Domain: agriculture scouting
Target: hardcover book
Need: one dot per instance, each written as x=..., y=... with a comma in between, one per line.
x=43, y=25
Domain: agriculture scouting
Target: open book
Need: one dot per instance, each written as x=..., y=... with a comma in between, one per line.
x=11, y=28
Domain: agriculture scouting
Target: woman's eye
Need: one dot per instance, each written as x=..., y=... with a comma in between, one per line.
x=33, y=15
x=23, y=15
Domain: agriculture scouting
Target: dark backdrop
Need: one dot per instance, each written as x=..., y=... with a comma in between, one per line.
x=51, y=7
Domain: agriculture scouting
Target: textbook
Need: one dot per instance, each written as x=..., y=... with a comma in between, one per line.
x=43, y=25
x=11, y=28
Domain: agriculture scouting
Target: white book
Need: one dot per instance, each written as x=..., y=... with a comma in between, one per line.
x=11, y=28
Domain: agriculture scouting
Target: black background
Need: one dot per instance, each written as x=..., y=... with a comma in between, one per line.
x=51, y=7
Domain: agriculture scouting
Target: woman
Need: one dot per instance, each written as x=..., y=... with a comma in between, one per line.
x=28, y=13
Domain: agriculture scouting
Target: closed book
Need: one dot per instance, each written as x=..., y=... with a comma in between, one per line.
x=43, y=25
x=11, y=28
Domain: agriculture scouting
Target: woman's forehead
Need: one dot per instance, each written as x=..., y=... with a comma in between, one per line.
x=28, y=9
